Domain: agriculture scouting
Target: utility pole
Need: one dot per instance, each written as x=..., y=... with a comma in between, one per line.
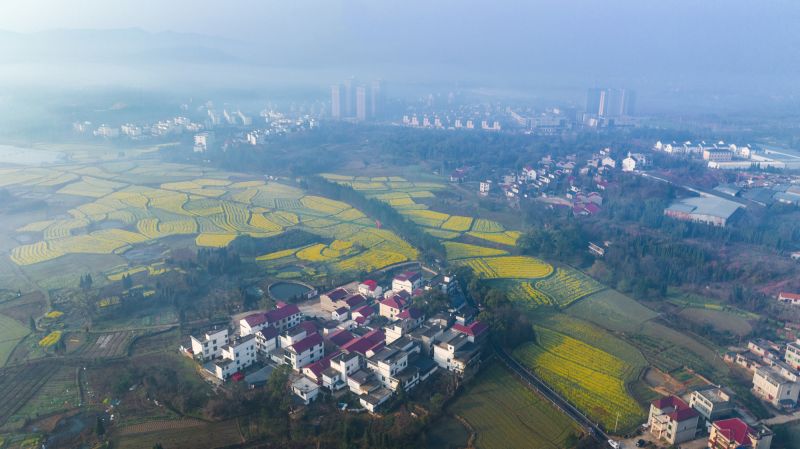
x=616, y=422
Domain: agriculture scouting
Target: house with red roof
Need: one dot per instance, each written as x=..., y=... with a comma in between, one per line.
x=672, y=420
x=475, y=331
x=408, y=281
x=789, y=298
x=252, y=323
x=284, y=318
x=392, y=306
x=370, y=289
x=366, y=344
x=736, y=434
x=362, y=314
x=333, y=299
x=340, y=314
x=341, y=337
x=305, y=351
x=406, y=321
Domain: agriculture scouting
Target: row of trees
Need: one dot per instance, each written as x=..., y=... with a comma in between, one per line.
x=430, y=247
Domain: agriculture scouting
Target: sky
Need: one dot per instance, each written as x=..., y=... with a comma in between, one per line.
x=673, y=44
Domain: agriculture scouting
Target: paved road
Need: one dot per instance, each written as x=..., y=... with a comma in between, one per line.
x=537, y=384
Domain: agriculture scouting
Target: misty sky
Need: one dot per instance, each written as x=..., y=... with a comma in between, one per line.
x=712, y=43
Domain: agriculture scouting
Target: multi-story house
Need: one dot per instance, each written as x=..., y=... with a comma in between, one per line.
x=209, y=345
x=236, y=356
x=776, y=386
x=408, y=281
x=712, y=402
x=736, y=434
x=672, y=420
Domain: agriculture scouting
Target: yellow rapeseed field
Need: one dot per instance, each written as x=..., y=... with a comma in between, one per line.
x=457, y=250
x=214, y=240
x=51, y=339
x=457, y=223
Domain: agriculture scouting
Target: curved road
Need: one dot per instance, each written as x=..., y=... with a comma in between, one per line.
x=542, y=388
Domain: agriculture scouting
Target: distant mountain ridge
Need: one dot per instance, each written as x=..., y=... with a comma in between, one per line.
x=130, y=45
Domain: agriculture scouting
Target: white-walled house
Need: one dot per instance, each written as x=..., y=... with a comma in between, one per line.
x=305, y=389
x=266, y=340
x=408, y=281
x=209, y=345
x=252, y=323
x=282, y=318
x=392, y=306
x=370, y=289
x=236, y=356
x=392, y=370
x=454, y=352
x=305, y=352
x=776, y=386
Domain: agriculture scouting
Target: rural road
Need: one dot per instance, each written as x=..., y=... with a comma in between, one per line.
x=539, y=386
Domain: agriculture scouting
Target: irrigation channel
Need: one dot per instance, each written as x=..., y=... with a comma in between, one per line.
x=539, y=386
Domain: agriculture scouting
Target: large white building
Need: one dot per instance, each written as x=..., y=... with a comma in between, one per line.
x=236, y=356
x=209, y=345
x=391, y=369
x=454, y=352
x=408, y=281
x=305, y=352
x=776, y=385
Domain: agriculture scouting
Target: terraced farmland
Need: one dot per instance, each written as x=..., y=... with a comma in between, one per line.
x=591, y=379
x=505, y=414
x=211, y=208
x=457, y=250
x=509, y=267
x=567, y=286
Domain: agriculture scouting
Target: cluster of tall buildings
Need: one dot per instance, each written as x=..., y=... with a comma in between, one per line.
x=355, y=101
x=608, y=102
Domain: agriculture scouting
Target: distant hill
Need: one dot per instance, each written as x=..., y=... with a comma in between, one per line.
x=131, y=45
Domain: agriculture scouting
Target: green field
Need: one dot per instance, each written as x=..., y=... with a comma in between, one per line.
x=11, y=333
x=506, y=414
x=220, y=434
x=612, y=310
x=665, y=348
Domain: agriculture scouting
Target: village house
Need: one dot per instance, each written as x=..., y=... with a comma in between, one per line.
x=305, y=389
x=792, y=354
x=408, y=281
x=736, y=434
x=712, y=402
x=267, y=340
x=236, y=356
x=475, y=331
x=454, y=352
x=407, y=320
x=333, y=299
x=672, y=420
x=370, y=289
x=362, y=314
x=392, y=306
x=305, y=351
x=284, y=317
x=792, y=299
x=208, y=345
x=777, y=385
x=391, y=368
